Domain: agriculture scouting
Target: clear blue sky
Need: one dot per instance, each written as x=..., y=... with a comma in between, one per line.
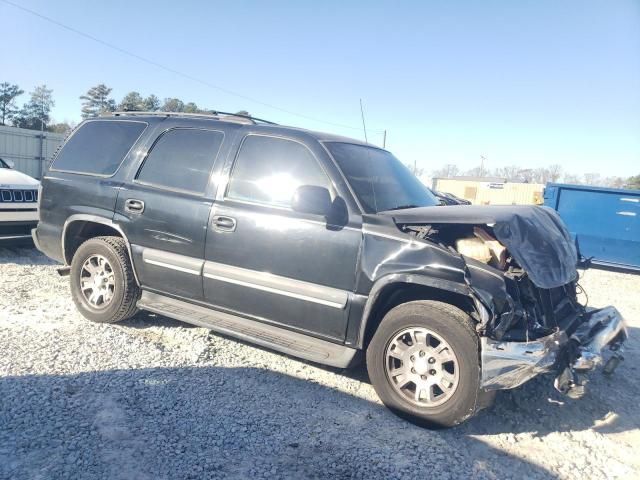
x=529, y=83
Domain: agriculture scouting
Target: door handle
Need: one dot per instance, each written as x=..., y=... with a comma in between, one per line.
x=223, y=223
x=134, y=206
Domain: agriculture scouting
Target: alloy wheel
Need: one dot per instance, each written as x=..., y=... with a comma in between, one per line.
x=422, y=367
x=97, y=281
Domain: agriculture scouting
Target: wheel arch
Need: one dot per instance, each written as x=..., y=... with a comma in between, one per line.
x=79, y=228
x=393, y=290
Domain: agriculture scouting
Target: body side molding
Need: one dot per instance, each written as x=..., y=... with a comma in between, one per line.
x=310, y=292
x=172, y=261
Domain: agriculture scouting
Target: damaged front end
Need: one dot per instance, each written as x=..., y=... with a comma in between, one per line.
x=508, y=364
x=521, y=267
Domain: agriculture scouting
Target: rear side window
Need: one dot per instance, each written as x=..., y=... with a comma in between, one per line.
x=182, y=159
x=268, y=170
x=98, y=147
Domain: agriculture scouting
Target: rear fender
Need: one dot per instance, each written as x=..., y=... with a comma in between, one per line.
x=88, y=218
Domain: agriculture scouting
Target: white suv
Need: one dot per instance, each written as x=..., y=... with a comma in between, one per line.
x=18, y=203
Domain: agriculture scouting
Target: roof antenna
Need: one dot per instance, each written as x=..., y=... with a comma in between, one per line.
x=363, y=124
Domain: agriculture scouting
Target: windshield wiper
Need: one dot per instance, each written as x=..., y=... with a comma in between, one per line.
x=402, y=207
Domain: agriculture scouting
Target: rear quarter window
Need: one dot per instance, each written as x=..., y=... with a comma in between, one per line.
x=98, y=147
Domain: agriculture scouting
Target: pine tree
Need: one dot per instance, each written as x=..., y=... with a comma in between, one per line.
x=8, y=95
x=97, y=101
x=151, y=103
x=35, y=113
x=173, y=105
x=132, y=102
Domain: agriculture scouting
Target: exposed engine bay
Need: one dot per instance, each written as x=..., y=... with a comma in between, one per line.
x=475, y=242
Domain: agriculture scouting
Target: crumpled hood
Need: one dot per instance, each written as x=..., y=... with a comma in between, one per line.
x=10, y=178
x=535, y=236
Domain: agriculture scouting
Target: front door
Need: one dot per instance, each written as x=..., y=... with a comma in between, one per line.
x=268, y=262
x=164, y=211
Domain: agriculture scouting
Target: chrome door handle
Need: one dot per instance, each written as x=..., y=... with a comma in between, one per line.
x=134, y=206
x=223, y=223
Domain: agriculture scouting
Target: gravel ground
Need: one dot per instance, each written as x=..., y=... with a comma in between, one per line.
x=155, y=399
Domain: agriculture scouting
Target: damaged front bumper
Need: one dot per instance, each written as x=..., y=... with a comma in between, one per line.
x=508, y=365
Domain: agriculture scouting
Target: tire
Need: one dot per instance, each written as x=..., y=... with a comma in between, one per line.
x=119, y=300
x=432, y=321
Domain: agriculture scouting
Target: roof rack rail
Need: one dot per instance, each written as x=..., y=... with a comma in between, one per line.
x=215, y=114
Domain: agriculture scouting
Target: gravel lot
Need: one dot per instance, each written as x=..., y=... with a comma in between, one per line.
x=153, y=398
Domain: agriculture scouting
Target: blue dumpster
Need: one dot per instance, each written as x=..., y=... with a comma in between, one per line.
x=605, y=222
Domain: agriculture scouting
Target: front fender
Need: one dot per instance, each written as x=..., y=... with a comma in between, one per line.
x=405, y=279
x=389, y=257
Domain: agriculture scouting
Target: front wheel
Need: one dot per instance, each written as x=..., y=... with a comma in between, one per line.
x=103, y=286
x=423, y=363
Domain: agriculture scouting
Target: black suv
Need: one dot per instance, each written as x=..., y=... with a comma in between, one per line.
x=322, y=247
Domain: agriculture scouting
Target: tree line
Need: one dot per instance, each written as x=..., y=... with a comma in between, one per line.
x=98, y=100
x=551, y=173
x=35, y=114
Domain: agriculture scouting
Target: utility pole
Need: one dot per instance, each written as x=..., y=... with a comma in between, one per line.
x=42, y=140
x=482, y=159
x=384, y=140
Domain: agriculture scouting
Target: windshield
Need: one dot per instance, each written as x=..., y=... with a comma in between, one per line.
x=380, y=181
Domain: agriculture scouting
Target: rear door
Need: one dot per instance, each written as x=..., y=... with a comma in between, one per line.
x=268, y=262
x=165, y=209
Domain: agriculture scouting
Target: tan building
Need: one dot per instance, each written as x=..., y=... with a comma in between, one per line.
x=491, y=190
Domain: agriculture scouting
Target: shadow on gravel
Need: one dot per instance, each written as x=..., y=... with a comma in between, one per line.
x=216, y=422
x=22, y=254
x=144, y=319
x=536, y=407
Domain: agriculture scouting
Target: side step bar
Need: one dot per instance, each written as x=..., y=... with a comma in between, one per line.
x=286, y=341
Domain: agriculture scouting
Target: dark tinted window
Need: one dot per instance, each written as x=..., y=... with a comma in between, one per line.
x=380, y=181
x=182, y=159
x=268, y=170
x=98, y=147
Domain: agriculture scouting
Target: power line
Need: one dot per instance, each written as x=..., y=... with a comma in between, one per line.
x=173, y=70
x=364, y=126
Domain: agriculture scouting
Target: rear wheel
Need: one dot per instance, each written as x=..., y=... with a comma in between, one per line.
x=423, y=363
x=103, y=286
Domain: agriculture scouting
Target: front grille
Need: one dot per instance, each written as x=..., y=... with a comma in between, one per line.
x=18, y=196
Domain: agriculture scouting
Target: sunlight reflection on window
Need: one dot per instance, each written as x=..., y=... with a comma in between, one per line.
x=278, y=188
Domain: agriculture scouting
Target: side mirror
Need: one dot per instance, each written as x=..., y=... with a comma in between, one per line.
x=10, y=164
x=311, y=199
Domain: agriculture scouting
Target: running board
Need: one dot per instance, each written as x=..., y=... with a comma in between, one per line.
x=286, y=341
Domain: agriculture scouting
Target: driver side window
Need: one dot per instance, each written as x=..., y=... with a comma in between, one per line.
x=268, y=170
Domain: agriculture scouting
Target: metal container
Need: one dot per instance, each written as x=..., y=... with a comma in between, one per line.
x=491, y=191
x=604, y=221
